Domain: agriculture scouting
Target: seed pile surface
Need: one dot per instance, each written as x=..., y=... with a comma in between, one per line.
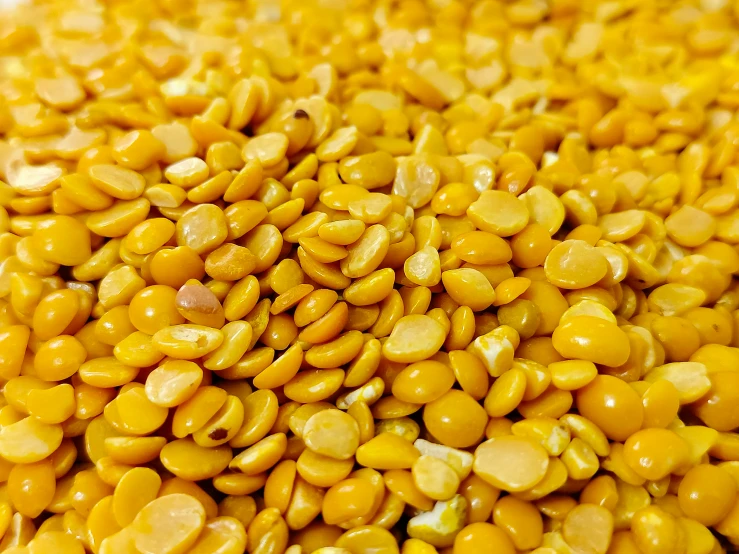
x=356, y=277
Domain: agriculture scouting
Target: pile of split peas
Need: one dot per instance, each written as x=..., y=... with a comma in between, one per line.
x=369, y=277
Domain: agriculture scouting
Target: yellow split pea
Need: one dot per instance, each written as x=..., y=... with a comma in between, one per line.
x=400, y=278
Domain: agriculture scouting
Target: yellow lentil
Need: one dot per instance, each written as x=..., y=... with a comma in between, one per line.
x=344, y=264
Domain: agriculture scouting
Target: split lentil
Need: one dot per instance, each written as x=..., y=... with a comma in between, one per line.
x=375, y=277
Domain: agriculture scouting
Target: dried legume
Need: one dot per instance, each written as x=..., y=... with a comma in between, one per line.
x=390, y=278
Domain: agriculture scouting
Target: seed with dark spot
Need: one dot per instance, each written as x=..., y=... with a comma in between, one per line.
x=301, y=114
x=218, y=434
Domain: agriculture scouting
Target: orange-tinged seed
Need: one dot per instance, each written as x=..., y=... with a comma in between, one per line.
x=612, y=405
x=136, y=489
x=192, y=414
x=655, y=453
x=341, y=233
x=281, y=370
x=260, y=457
x=422, y=382
x=54, y=405
x=30, y=487
x=706, y=494
x=520, y=520
x=457, y=194
x=572, y=374
x=469, y=287
x=387, y=451
x=455, y=419
x=593, y=339
x=177, y=457
x=62, y=240
x=346, y=500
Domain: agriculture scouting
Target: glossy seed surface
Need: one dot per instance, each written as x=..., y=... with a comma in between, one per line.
x=309, y=277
